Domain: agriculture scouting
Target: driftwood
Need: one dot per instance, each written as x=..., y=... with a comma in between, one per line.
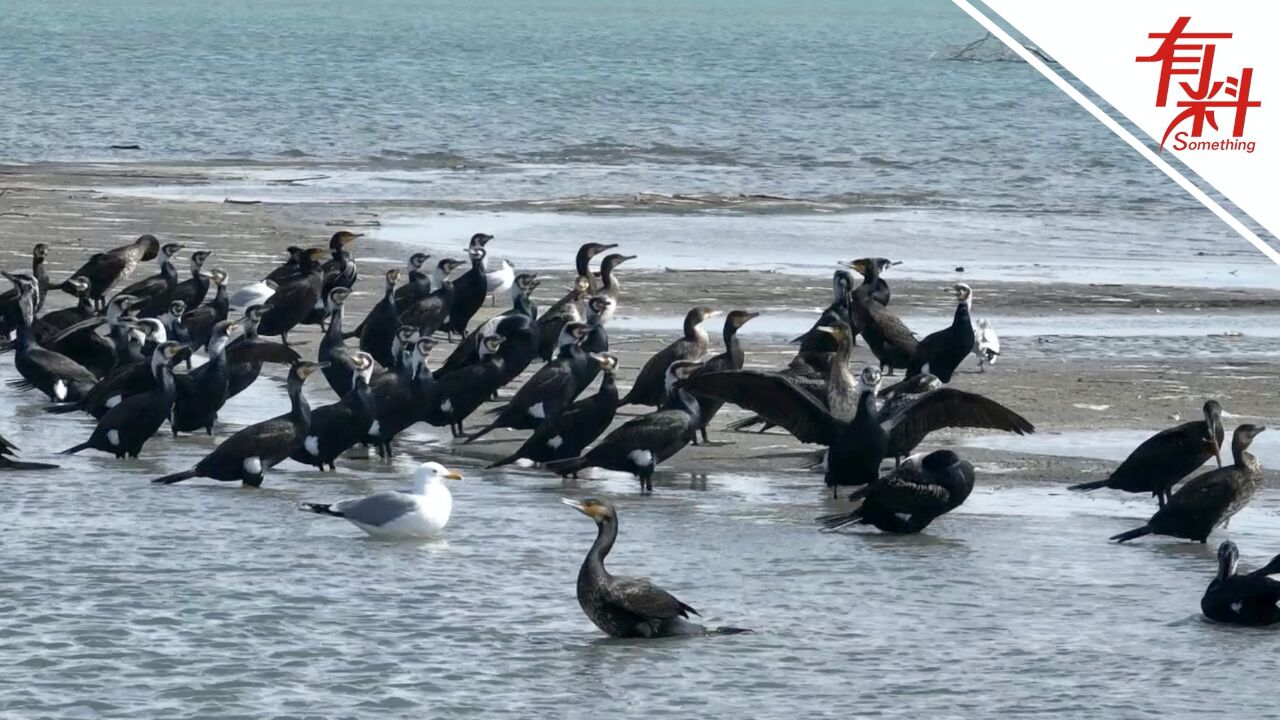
x=126, y=146
x=230, y=201
x=294, y=181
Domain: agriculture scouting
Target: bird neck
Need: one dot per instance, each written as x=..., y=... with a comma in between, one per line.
x=424, y=484
x=1240, y=453
x=693, y=330
x=390, y=294
x=298, y=407
x=961, y=318
x=334, y=332
x=605, y=537
x=732, y=346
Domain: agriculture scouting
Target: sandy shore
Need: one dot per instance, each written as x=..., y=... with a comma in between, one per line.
x=74, y=211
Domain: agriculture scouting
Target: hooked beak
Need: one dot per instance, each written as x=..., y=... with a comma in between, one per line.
x=576, y=505
x=894, y=262
x=826, y=329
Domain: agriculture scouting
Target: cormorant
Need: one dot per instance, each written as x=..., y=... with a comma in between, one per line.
x=567, y=309
x=920, y=490
x=419, y=282
x=57, y=376
x=858, y=435
x=122, y=382
x=105, y=269
x=940, y=353
x=249, y=453
x=1163, y=459
x=466, y=353
x=986, y=347
x=340, y=372
x=873, y=285
x=10, y=313
x=292, y=303
x=453, y=397
x=469, y=293
x=194, y=289
x=291, y=269
x=625, y=607
x=889, y=339
x=126, y=427
x=397, y=402
x=841, y=308
x=429, y=313
x=549, y=392
x=336, y=428
x=175, y=326
x=731, y=359
x=340, y=271
x=648, y=388
x=1250, y=599
x=199, y=321
x=379, y=328
x=609, y=284
x=600, y=309
x=421, y=512
x=567, y=435
x=640, y=444
x=247, y=353
x=9, y=459
x=153, y=292
x=1210, y=499
x=203, y=391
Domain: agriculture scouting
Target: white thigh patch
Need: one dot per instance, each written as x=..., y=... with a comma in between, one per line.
x=447, y=406
x=252, y=465
x=375, y=429
x=312, y=445
x=642, y=458
x=59, y=390
x=538, y=411
x=555, y=442
x=114, y=400
x=113, y=437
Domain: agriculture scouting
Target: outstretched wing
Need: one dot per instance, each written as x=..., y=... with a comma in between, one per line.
x=776, y=398
x=644, y=599
x=949, y=408
x=261, y=351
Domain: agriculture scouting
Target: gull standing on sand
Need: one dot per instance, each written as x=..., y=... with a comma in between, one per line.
x=500, y=280
x=420, y=513
x=986, y=346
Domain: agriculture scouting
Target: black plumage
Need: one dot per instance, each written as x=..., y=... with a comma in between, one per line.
x=248, y=353
x=57, y=376
x=337, y=427
x=469, y=293
x=340, y=371
x=1167, y=457
x=569, y=308
x=417, y=284
x=731, y=359
x=648, y=387
x=340, y=271
x=123, y=381
x=125, y=428
x=1210, y=499
x=249, y=453
x=911, y=497
x=202, y=392
x=195, y=288
x=103, y=270
x=153, y=292
x=429, y=313
x=379, y=328
x=522, y=306
x=625, y=607
x=10, y=313
x=293, y=302
x=198, y=322
x=454, y=397
x=940, y=353
x=1250, y=599
x=567, y=435
x=888, y=338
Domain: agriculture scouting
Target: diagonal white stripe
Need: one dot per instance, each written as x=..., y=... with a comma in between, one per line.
x=1119, y=130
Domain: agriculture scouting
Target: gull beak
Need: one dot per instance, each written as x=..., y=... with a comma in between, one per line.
x=453, y=475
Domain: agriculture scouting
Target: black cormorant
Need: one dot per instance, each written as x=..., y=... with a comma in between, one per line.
x=1163, y=459
x=340, y=371
x=469, y=293
x=570, y=433
x=921, y=489
x=466, y=353
x=153, y=292
x=203, y=391
x=453, y=397
x=568, y=308
x=199, y=321
x=731, y=359
x=429, y=313
x=940, y=353
x=126, y=427
x=194, y=289
x=54, y=374
x=648, y=388
x=889, y=339
x=250, y=452
x=247, y=353
x=625, y=607
x=292, y=303
x=873, y=284
x=418, y=283
x=337, y=427
x=1250, y=599
x=10, y=313
x=379, y=328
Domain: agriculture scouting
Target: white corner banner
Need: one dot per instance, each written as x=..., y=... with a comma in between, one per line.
x=1201, y=79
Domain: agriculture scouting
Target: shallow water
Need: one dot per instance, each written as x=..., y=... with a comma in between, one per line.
x=201, y=599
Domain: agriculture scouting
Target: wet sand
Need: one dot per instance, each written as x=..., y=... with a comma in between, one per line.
x=1061, y=385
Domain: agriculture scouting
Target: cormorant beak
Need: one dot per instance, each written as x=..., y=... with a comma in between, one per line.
x=826, y=329
x=580, y=507
x=894, y=262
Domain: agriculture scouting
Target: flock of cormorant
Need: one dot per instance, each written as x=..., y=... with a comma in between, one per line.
x=115, y=356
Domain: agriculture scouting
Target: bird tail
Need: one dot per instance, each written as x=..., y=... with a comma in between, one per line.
x=739, y=425
x=504, y=461
x=20, y=384
x=1131, y=534
x=1086, y=487
x=729, y=630
x=1271, y=568
x=175, y=477
x=482, y=432
x=62, y=408
x=567, y=466
x=21, y=465
x=321, y=509
x=76, y=449
x=831, y=523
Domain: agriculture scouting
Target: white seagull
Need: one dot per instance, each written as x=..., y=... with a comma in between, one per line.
x=420, y=513
x=985, y=344
x=500, y=280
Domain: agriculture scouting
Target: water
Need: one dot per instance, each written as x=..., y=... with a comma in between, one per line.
x=126, y=599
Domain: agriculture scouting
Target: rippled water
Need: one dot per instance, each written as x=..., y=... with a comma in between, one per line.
x=124, y=599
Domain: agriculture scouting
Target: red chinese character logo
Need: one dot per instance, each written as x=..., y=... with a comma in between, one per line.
x=1191, y=53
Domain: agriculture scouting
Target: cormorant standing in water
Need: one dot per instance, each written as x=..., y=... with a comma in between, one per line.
x=105, y=269
x=248, y=454
x=57, y=376
x=124, y=381
x=10, y=313
x=455, y=396
x=294, y=302
x=569, y=434
x=731, y=359
x=469, y=293
x=549, y=392
x=199, y=321
x=1210, y=499
x=203, y=391
x=336, y=428
x=125, y=428
x=921, y=489
x=639, y=445
x=153, y=292
x=194, y=289
x=1163, y=459
x=429, y=313
x=522, y=308
x=600, y=309
x=340, y=271
x=648, y=388
x=625, y=607
x=247, y=353
x=379, y=329
x=340, y=372
x=942, y=352
x=1249, y=599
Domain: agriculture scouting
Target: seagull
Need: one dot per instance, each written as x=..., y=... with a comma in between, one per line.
x=420, y=513
x=255, y=294
x=986, y=345
x=500, y=280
